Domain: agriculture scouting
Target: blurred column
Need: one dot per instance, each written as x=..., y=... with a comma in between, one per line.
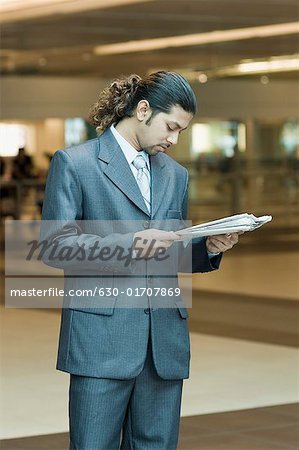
x=236, y=175
x=251, y=155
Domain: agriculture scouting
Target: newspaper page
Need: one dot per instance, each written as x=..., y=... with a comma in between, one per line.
x=232, y=224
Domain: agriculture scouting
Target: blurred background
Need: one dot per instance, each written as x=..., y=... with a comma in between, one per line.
x=242, y=154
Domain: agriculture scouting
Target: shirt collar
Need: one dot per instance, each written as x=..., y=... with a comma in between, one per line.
x=128, y=150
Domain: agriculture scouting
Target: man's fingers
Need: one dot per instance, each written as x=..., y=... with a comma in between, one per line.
x=234, y=238
x=226, y=239
x=222, y=242
x=170, y=236
x=161, y=235
x=218, y=247
x=149, y=242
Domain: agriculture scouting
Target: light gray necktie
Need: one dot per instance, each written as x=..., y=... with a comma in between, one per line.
x=143, y=179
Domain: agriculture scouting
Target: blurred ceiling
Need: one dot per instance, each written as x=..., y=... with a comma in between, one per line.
x=72, y=37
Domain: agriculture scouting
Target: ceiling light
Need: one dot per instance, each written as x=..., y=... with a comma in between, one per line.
x=264, y=79
x=285, y=63
x=18, y=10
x=272, y=65
x=210, y=37
x=202, y=78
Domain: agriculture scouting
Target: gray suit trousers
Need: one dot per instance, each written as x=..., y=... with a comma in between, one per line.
x=145, y=410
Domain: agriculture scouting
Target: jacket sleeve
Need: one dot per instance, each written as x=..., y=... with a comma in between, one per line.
x=62, y=230
x=201, y=262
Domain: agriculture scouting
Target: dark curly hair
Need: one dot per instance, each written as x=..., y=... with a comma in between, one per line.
x=161, y=89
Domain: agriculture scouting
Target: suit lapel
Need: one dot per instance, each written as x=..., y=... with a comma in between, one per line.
x=118, y=170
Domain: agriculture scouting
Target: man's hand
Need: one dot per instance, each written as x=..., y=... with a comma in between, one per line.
x=149, y=242
x=221, y=242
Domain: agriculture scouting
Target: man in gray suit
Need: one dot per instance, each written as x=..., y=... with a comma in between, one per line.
x=127, y=360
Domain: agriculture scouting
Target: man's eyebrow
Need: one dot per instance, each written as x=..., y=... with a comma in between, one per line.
x=178, y=125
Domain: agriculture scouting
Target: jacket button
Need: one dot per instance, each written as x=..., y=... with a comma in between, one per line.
x=147, y=311
x=146, y=224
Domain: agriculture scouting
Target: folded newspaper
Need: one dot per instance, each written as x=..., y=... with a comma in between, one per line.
x=231, y=224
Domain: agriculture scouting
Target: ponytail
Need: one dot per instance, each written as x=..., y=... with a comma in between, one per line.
x=161, y=89
x=114, y=102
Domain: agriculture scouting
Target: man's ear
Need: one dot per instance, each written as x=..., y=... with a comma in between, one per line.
x=143, y=110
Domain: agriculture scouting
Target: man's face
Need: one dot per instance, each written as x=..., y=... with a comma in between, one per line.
x=163, y=130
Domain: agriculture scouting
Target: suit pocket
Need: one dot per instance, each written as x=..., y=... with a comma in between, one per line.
x=173, y=220
x=93, y=296
x=101, y=310
x=174, y=214
x=176, y=217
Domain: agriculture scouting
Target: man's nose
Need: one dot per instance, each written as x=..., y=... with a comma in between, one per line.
x=173, y=138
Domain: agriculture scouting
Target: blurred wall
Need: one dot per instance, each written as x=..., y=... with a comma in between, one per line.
x=49, y=100
x=53, y=97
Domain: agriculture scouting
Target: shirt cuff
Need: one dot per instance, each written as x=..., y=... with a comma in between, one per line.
x=211, y=254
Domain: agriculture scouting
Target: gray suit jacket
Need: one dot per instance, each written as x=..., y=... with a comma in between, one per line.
x=107, y=336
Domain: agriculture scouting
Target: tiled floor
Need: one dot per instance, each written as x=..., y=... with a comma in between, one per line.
x=232, y=374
